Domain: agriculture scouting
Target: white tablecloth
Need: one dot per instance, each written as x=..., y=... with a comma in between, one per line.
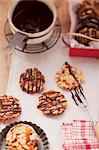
x=49, y=62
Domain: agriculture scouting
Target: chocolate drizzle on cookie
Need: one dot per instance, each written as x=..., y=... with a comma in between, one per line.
x=52, y=103
x=78, y=91
x=70, y=78
x=32, y=81
x=9, y=108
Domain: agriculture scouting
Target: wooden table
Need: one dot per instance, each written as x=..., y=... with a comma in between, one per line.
x=5, y=61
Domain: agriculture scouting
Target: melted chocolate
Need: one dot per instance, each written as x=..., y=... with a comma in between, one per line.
x=32, y=16
x=77, y=91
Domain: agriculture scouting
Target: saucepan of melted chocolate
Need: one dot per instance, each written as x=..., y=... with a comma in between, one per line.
x=34, y=18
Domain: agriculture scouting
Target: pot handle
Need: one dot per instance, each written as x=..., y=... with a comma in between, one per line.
x=18, y=41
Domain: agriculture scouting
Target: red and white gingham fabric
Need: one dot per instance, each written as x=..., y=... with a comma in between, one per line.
x=78, y=135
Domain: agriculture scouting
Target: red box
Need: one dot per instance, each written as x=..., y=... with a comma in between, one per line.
x=80, y=50
x=84, y=52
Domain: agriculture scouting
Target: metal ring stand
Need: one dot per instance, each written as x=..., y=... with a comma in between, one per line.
x=36, y=48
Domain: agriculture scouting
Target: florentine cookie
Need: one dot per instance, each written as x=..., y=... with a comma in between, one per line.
x=87, y=22
x=22, y=137
x=9, y=108
x=90, y=19
x=52, y=103
x=32, y=81
x=86, y=8
x=69, y=77
x=89, y=29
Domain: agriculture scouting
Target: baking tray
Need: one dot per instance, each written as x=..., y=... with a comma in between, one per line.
x=44, y=143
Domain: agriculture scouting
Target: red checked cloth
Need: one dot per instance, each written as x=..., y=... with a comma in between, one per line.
x=78, y=135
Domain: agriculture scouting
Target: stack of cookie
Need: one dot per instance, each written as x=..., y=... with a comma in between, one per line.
x=88, y=21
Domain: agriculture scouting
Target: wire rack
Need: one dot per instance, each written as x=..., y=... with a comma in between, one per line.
x=35, y=48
